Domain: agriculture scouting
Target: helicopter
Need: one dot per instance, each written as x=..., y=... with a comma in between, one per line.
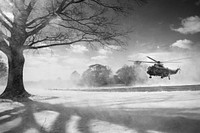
x=158, y=68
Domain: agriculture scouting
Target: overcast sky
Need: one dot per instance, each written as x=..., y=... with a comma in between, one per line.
x=163, y=29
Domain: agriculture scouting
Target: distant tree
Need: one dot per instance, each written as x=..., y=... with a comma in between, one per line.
x=116, y=80
x=126, y=74
x=36, y=24
x=88, y=78
x=75, y=77
x=141, y=75
x=97, y=75
x=135, y=74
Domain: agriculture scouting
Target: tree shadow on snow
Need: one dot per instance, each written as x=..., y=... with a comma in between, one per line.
x=136, y=120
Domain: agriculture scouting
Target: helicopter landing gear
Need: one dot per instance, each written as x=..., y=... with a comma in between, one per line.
x=169, y=77
x=162, y=76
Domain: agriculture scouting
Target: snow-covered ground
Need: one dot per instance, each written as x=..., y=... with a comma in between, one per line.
x=58, y=111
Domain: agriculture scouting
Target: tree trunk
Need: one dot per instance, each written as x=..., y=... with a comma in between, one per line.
x=15, y=86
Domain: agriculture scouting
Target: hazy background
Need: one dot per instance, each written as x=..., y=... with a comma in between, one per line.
x=163, y=29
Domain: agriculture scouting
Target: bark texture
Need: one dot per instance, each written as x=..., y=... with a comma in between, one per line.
x=15, y=87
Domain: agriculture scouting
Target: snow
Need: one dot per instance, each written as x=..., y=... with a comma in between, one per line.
x=59, y=111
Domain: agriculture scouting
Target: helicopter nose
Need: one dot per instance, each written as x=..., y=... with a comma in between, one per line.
x=149, y=71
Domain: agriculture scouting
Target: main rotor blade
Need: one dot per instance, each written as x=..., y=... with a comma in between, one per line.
x=152, y=59
x=178, y=59
x=170, y=62
x=138, y=62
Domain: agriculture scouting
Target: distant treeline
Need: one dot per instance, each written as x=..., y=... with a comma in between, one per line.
x=100, y=75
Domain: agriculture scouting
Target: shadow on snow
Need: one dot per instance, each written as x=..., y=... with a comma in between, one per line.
x=137, y=120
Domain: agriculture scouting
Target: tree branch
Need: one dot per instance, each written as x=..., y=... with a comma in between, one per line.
x=86, y=22
x=3, y=35
x=63, y=5
x=38, y=41
x=4, y=47
x=1, y=12
x=60, y=8
x=37, y=19
x=38, y=28
x=54, y=44
x=30, y=6
x=115, y=7
x=7, y=26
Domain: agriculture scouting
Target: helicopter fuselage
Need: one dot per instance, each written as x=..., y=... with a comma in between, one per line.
x=160, y=70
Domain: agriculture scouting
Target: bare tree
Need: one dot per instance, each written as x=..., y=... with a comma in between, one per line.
x=39, y=24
